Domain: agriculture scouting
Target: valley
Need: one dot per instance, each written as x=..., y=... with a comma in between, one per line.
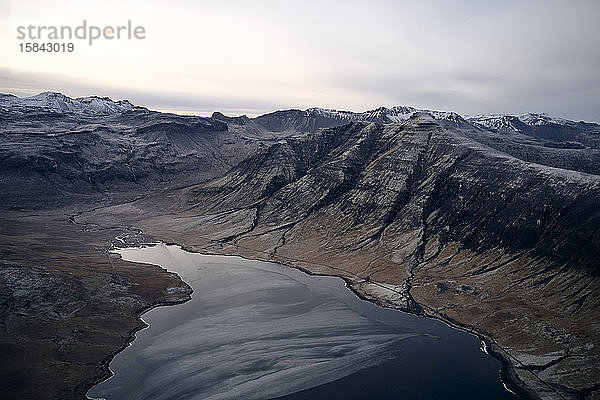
x=489, y=223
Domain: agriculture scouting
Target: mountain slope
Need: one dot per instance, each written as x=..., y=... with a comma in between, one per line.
x=57, y=150
x=419, y=216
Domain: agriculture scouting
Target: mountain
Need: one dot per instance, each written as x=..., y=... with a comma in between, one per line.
x=576, y=135
x=535, y=138
x=313, y=119
x=57, y=102
x=55, y=149
x=490, y=223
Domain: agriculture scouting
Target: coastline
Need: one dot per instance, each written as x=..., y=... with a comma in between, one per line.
x=508, y=375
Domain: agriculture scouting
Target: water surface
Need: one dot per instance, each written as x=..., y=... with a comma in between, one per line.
x=257, y=330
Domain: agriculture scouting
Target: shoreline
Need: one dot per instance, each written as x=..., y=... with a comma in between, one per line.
x=491, y=348
x=506, y=369
x=105, y=363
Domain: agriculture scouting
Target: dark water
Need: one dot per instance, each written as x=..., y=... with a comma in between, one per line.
x=256, y=330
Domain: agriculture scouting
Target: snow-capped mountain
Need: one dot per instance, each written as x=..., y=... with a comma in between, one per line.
x=542, y=119
x=516, y=122
x=497, y=121
x=381, y=114
x=575, y=135
x=58, y=102
x=95, y=105
x=294, y=122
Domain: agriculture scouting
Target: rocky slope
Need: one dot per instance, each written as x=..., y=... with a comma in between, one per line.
x=489, y=222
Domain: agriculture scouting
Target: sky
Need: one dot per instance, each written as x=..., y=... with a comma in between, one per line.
x=253, y=57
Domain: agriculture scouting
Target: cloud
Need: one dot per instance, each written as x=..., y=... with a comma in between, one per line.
x=240, y=57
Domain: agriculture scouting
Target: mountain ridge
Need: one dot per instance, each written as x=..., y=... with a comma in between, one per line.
x=59, y=102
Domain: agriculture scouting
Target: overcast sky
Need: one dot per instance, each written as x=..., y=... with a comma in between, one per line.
x=251, y=57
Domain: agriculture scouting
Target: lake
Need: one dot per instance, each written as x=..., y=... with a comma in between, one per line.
x=259, y=330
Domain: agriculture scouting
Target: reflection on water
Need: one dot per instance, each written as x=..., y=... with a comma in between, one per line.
x=256, y=330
